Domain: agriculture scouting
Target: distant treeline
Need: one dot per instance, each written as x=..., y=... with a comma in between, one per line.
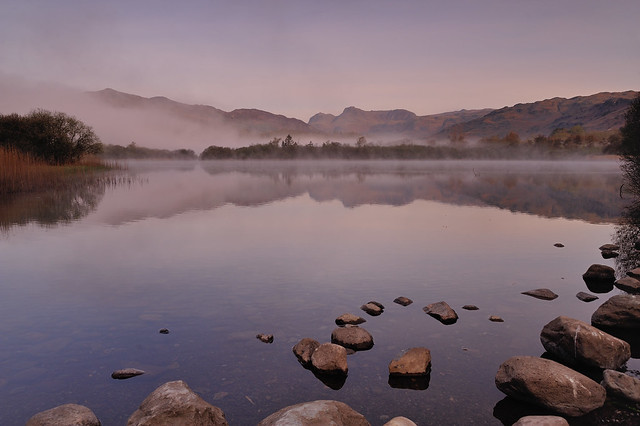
x=137, y=152
x=561, y=143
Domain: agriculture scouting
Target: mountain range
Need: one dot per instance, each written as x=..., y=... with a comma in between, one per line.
x=598, y=112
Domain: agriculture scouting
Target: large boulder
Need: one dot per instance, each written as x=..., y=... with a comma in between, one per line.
x=352, y=337
x=599, y=278
x=550, y=385
x=620, y=311
x=442, y=312
x=329, y=358
x=174, y=403
x=628, y=284
x=323, y=412
x=413, y=362
x=621, y=385
x=577, y=343
x=304, y=349
x=65, y=415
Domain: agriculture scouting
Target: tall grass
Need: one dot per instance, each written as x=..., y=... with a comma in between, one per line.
x=21, y=173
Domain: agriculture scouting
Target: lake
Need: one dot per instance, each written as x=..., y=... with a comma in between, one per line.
x=218, y=252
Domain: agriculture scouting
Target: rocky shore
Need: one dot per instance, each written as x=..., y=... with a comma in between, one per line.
x=561, y=382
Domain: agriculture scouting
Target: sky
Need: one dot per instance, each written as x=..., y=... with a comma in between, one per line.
x=301, y=57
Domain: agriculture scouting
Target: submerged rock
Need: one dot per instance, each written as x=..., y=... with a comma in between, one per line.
x=442, y=312
x=404, y=301
x=126, y=373
x=542, y=421
x=265, y=338
x=304, y=349
x=550, y=385
x=578, y=343
x=621, y=385
x=541, y=293
x=413, y=362
x=65, y=415
x=330, y=358
x=352, y=337
x=586, y=297
x=628, y=284
x=349, y=319
x=372, y=308
x=174, y=403
x=620, y=311
x=323, y=412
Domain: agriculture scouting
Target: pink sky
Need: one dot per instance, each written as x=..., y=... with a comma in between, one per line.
x=300, y=57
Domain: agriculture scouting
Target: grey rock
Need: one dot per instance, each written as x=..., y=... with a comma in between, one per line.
x=404, y=301
x=349, y=319
x=621, y=385
x=541, y=293
x=352, y=337
x=413, y=362
x=542, y=421
x=400, y=421
x=550, y=385
x=304, y=349
x=330, y=358
x=65, y=415
x=323, y=412
x=174, y=403
x=628, y=284
x=577, y=343
x=586, y=297
x=372, y=309
x=442, y=312
x=265, y=338
x=126, y=373
x=620, y=311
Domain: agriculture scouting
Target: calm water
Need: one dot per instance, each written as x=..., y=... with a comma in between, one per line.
x=218, y=252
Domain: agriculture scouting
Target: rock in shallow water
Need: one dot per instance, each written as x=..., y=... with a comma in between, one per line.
x=541, y=293
x=404, y=301
x=413, y=362
x=174, y=403
x=628, y=284
x=470, y=307
x=621, y=385
x=400, y=421
x=126, y=373
x=442, y=312
x=265, y=338
x=495, y=318
x=542, y=421
x=550, y=385
x=372, y=309
x=65, y=415
x=345, y=319
x=577, y=343
x=599, y=276
x=586, y=297
x=324, y=412
x=330, y=358
x=620, y=311
x=304, y=349
x=352, y=337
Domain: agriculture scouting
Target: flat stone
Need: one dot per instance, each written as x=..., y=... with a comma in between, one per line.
x=65, y=415
x=620, y=311
x=330, y=358
x=586, y=297
x=610, y=247
x=174, y=403
x=577, y=343
x=323, y=412
x=628, y=284
x=400, y=421
x=413, y=362
x=542, y=421
x=470, y=307
x=304, y=349
x=495, y=318
x=541, y=293
x=621, y=385
x=265, y=338
x=442, y=312
x=634, y=273
x=126, y=373
x=559, y=245
x=349, y=319
x=550, y=385
x=352, y=337
x=404, y=301
x=372, y=309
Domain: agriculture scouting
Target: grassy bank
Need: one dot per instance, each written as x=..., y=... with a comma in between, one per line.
x=21, y=173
